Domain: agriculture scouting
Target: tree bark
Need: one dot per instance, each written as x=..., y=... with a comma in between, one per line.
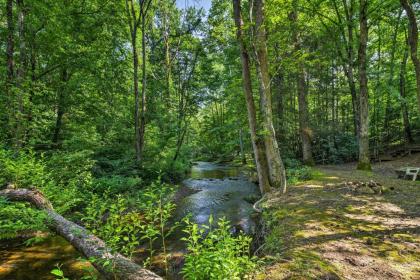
x=241, y=145
x=390, y=83
x=133, y=24
x=20, y=77
x=143, y=10
x=348, y=58
x=257, y=142
x=9, y=114
x=304, y=128
x=10, y=43
x=86, y=243
x=275, y=164
x=404, y=107
x=413, y=38
x=60, y=109
x=364, y=158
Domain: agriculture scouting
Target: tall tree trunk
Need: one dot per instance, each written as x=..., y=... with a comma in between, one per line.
x=350, y=70
x=9, y=119
x=413, y=38
x=20, y=77
x=32, y=62
x=348, y=58
x=390, y=83
x=241, y=144
x=257, y=142
x=166, y=32
x=144, y=80
x=279, y=101
x=364, y=158
x=304, y=128
x=133, y=24
x=275, y=164
x=10, y=44
x=60, y=109
x=136, y=94
x=404, y=107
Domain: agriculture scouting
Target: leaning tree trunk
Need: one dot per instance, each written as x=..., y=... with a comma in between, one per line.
x=413, y=38
x=364, y=158
x=91, y=246
x=275, y=164
x=257, y=143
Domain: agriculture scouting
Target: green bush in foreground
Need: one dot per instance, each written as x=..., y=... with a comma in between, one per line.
x=217, y=255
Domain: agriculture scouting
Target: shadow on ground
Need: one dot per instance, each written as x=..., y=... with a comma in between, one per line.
x=322, y=231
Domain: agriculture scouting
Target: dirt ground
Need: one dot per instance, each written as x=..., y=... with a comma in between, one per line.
x=322, y=230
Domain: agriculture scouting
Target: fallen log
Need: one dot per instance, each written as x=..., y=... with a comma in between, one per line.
x=110, y=265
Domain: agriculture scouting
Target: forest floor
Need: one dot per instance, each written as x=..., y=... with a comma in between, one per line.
x=323, y=231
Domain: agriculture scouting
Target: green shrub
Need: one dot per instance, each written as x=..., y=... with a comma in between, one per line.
x=295, y=171
x=123, y=222
x=22, y=169
x=72, y=169
x=217, y=254
x=25, y=169
x=17, y=216
x=115, y=184
x=338, y=148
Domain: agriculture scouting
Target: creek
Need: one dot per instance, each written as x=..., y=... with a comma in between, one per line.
x=212, y=189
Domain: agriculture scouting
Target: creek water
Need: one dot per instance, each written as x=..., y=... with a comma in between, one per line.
x=221, y=191
x=213, y=189
x=21, y=262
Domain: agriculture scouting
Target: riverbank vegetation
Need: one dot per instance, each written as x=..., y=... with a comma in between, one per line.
x=106, y=105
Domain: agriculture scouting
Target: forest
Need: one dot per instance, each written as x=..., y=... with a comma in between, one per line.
x=209, y=139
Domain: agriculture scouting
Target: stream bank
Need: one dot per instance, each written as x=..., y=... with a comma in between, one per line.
x=211, y=189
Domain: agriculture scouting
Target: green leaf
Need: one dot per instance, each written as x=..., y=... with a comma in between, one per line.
x=57, y=272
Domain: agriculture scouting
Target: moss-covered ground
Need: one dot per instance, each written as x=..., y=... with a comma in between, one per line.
x=322, y=230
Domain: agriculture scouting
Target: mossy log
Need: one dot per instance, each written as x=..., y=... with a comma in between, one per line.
x=110, y=265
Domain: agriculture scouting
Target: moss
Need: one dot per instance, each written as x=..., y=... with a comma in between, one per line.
x=301, y=223
x=305, y=264
x=309, y=162
x=364, y=166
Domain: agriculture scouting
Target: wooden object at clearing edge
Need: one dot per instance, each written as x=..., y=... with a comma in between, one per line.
x=408, y=173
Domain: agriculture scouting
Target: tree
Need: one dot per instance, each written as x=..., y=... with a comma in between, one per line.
x=275, y=164
x=413, y=38
x=304, y=128
x=134, y=21
x=364, y=157
x=404, y=107
x=257, y=142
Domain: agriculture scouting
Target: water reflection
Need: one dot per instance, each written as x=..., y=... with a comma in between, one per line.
x=221, y=192
x=18, y=262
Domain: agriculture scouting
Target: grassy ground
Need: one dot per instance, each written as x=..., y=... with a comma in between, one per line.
x=320, y=230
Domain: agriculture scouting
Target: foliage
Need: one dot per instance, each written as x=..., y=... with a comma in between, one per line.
x=122, y=222
x=213, y=253
x=19, y=217
x=22, y=169
x=296, y=171
x=116, y=184
x=335, y=149
x=58, y=273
